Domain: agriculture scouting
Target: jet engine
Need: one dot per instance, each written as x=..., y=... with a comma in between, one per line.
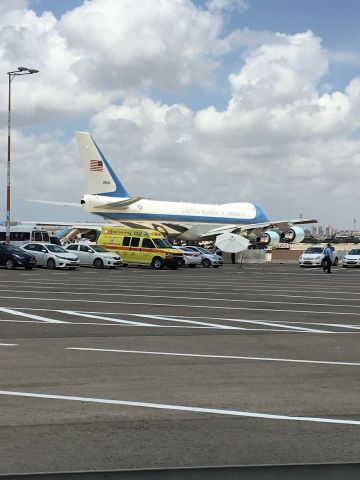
x=270, y=238
x=293, y=235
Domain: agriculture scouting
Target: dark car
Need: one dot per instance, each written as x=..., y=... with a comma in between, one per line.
x=12, y=257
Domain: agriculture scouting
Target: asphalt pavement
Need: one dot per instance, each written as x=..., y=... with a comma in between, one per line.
x=136, y=368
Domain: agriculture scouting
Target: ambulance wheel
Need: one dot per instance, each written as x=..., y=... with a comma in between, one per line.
x=157, y=263
x=98, y=263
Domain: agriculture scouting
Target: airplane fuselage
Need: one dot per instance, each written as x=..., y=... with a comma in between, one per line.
x=174, y=212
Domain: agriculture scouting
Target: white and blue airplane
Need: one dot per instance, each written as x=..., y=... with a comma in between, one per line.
x=108, y=198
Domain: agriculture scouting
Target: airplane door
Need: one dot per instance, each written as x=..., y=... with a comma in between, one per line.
x=135, y=254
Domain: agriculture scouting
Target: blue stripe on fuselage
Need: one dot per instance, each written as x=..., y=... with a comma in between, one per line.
x=259, y=218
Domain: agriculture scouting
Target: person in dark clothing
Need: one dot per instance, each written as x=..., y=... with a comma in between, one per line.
x=327, y=259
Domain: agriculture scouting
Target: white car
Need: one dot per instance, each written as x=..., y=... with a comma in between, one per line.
x=52, y=256
x=207, y=258
x=352, y=258
x=191, y=258
x=314, y=257
x=95, y=256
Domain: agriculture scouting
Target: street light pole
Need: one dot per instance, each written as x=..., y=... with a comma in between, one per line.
x=20, y=71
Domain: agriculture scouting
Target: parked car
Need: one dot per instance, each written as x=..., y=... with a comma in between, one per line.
x=52, y=256
x=207, y=258
x=12, y=256
x=314, y=257
x=95, y=256
x=352, y=258
x=191, y=258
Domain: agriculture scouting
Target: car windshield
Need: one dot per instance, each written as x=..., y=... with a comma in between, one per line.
x=162, y=243
x=203, y=250
x=354, y=251
x=56, y=249
x=314, y=250
x=185, y=249
x=12, y=249
x=97, y=248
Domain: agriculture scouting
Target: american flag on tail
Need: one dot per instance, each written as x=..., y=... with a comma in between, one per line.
x=96, y=166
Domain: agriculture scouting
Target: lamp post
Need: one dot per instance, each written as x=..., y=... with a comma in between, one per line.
x=12, y=75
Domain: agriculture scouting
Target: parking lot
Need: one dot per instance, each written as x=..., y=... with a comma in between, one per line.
x=136, y=368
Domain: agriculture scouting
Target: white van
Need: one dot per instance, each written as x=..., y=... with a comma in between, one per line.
x=24, y=233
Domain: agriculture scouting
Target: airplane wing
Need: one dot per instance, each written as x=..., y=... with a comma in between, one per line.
x=257, y=227
x=61, y=204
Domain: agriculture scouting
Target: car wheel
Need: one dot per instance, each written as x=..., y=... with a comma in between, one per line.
x=322, y=263
x=216, y=266
x=51, y=264
x=336, y=261
x=72, y=268
x=10, y=264
x=98, y=263
x=192, y=266
x=28, y=268
x=173, y=267
x=157, y=263
x=344, y=266
x=206, y=263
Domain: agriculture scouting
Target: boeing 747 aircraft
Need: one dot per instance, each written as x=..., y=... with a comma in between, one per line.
x=108, y=198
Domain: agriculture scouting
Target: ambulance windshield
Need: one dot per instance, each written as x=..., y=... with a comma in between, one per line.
x=162, y=243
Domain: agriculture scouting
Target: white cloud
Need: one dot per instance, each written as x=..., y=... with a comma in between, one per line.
x=129, y=45
x=226, y=5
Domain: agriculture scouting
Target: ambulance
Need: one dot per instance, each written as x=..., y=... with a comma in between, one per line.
x=141, y=246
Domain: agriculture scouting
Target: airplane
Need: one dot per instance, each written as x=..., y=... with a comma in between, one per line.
x=108, y=198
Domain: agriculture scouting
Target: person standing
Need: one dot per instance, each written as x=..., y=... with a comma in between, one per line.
x=327, y=259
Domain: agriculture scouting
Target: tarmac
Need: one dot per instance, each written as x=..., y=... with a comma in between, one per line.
x=136, y=368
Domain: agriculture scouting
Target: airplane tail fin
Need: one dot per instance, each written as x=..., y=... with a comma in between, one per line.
x=100, y=177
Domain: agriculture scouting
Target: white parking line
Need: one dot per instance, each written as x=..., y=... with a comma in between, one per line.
x=8, y=344
x=182, y=408
x=230, y=357
x=182, y=305
x=180, y=320
x=113, y=320
x=172, y=297
x=28, y=315
x=256, y=322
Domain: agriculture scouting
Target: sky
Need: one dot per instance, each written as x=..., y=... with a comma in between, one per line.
x=209, y=101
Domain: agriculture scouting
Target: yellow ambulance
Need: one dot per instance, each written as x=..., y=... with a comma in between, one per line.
x=141, y=246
